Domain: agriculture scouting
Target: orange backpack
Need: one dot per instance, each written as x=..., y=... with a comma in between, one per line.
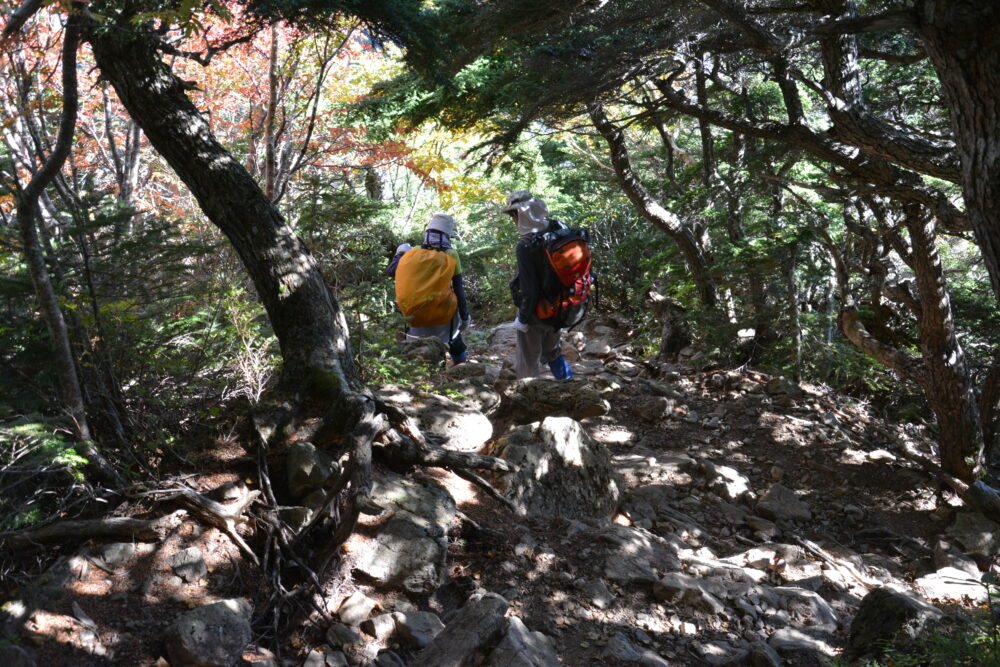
x=423, y=287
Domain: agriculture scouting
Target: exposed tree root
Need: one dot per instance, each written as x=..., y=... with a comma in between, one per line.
x=485, y=486
x=979, y=495
x=83, y=529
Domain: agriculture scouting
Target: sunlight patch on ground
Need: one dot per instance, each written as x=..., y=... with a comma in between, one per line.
x=613, y=436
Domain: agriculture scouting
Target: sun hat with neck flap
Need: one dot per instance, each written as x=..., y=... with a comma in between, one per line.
x=532, y=213
x=443, y=223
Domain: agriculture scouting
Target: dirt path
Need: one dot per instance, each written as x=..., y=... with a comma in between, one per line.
x=699, y=454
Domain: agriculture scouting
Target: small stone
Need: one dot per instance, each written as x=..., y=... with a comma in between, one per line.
x=339, y=634
x=417, y=628
x=337, y=659
x=389, y=659
x=315, y=658
x=211, y=635
x=117, y=553
x=356, y=608
x=189, y=564
x=379, y=627
x=621, y=649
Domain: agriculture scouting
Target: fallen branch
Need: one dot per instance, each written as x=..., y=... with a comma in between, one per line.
x=836, y=562
x=485, y=486
x=402, y=422
x=83, y=529
x=223, y=517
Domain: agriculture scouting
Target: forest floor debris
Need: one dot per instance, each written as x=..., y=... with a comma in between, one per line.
x=755, y=516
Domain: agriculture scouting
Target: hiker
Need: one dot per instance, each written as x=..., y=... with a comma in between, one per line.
x=390, y=270
x=544, y=306
x=429, y=288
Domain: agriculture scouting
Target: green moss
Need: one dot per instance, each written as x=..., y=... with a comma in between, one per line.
x=324, y=384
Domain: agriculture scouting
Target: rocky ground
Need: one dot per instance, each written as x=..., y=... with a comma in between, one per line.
x=659, y=515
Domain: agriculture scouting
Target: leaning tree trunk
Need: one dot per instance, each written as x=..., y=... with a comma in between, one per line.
x=941, y=370
x=949, y=387
x=652, y=210
x=306, y=318
x=963, y=43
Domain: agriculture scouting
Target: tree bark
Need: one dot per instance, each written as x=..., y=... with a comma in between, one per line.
x=270, y=150
x=949, y=386
x=306, y=318
x=963, y=42
x=652, y=210
x=794, y=321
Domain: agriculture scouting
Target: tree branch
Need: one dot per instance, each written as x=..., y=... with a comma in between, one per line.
x=904, y=365
x=890, y=21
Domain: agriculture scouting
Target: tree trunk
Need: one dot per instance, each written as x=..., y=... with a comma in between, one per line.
x=963, y=43
x=652, y=210
x=306, y=318
x=794, y=322
x=28, y=212
x=949, y=384
x=940, y=370
x=270, y=150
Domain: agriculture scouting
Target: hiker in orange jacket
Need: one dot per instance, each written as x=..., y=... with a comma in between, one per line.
x=411, y=294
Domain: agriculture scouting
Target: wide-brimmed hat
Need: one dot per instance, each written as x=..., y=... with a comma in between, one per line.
x=443, y=223
x=515, y=199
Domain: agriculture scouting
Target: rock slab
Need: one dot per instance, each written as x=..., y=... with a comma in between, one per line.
x=411, y=548
x=461, y=642
x=521, y=647
x=210, y=636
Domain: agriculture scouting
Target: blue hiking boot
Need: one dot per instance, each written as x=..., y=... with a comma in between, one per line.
x=560, y=368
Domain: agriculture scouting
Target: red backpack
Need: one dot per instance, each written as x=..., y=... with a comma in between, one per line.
x=567, y=277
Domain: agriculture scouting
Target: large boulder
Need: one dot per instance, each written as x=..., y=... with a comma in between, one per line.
x=532, y=399
x=887, y=615
x=213, y=635
x=950, y=583
x=562, y=471
x=975, y=532
x=410, y=549
x=460, y=428
x=636, y=554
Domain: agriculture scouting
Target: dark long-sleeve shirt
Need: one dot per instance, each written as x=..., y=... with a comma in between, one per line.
x=526, y=287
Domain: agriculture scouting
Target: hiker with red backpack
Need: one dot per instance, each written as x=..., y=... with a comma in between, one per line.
x=552, y=285
x=429, y=288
